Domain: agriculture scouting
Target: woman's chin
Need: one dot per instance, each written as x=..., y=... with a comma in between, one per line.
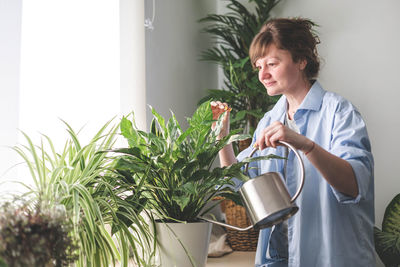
x=273, y=92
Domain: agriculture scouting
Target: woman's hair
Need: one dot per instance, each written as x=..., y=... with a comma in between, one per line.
x=294, y=35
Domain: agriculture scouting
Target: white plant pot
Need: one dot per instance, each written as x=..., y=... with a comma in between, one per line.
x=181, y=242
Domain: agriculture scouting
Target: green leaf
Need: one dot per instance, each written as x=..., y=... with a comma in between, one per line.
x=189, y=169
x=238, y=137
x=153, y=128
x=127, y=130
x=182, y=201
x=240, y=115
x=200, y=175
x=202, y=115
x=205, y=157
x=179, y=164
x=391, y=218
x=387, y=246
x=160, y=120
x=387, y=240
x=173, y=127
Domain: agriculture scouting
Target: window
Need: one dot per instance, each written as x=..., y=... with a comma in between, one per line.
x=69, y=65
x=66, y=60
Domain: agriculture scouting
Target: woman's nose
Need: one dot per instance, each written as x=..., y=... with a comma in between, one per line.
x=263, y=73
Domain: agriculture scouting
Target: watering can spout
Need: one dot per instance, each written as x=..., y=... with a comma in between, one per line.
x=227, y=225
x=266, y=198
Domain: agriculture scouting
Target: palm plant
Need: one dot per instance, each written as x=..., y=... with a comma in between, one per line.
x=233, y=34
x=77, y=178
x=387, y=240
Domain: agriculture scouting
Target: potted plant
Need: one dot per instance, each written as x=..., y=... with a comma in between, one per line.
x=78, y=179
x=35, y=236
x=175, y=167
x=233, y=33
x=387, y=240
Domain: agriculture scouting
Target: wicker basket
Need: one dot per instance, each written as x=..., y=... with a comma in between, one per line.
x=236, y=215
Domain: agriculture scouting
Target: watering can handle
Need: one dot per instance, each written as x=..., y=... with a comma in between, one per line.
x=301, y=167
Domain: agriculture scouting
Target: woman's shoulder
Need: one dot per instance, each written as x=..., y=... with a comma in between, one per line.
x=337, y=103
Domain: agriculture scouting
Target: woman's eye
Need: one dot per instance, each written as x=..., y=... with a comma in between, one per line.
x=271, y=64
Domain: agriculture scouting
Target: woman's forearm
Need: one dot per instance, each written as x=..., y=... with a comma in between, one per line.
x=336, y=171
x=227, y=156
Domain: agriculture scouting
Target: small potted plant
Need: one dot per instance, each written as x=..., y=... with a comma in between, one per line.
x=35, y=236
x=176, y=169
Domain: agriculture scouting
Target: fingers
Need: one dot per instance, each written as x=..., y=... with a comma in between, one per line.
x=271, y=135
x=219, y=108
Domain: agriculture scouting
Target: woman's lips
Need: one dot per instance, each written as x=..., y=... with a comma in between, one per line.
x=269, y=84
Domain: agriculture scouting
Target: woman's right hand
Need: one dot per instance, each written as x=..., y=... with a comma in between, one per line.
x=218, y=108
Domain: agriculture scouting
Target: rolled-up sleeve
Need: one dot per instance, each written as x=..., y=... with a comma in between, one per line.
x=350, y=142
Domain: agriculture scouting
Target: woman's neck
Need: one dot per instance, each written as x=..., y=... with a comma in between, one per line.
x=295, y=99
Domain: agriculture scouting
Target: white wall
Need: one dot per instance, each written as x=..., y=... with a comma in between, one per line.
x=175, y=79
x=10, y=35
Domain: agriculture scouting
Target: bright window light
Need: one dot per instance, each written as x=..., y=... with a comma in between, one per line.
x=70, y=66
x=70, y=69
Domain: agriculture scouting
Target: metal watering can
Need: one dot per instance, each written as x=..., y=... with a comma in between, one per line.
x=266, y=198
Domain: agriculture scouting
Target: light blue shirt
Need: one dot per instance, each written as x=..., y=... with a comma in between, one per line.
x=330, y=229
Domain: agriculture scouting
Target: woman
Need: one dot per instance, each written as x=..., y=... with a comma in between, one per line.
x=334, y=225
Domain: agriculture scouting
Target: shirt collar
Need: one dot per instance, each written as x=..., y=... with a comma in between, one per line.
x=312, y=101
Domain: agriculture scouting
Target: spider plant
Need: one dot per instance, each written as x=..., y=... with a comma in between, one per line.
x=175, y=166
x=79, y=179
x=233, y=33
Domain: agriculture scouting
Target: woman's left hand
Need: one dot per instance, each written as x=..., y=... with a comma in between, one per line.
x=278, y=132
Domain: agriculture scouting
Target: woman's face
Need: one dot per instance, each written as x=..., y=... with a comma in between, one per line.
x=279, y=74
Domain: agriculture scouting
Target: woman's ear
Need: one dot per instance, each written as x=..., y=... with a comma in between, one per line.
x=302, y=64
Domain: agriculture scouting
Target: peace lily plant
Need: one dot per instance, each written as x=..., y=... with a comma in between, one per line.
x=176, y=166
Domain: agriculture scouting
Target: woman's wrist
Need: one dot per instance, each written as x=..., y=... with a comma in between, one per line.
x=310, y=148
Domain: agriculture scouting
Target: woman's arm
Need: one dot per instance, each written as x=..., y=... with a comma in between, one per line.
x=336, y=171
x=226, y=154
